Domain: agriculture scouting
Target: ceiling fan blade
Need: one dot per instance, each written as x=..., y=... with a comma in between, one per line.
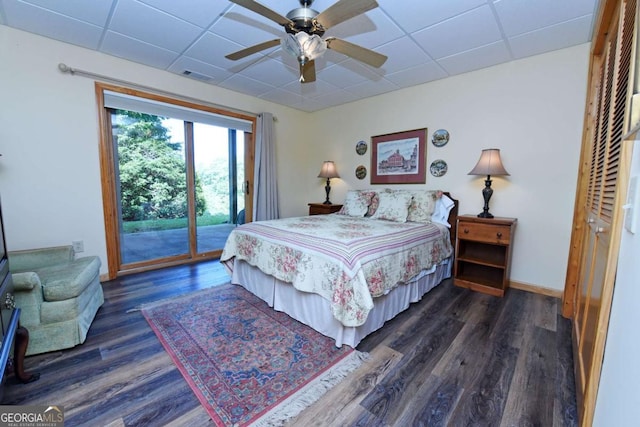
x=343, y=10
x=360, y=53
x=264, y=11
x=252, y=49
x=308, y=72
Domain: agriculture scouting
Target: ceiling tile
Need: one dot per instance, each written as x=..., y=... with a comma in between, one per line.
x=246, y=85
x=139, y=21
x=199, y=12
x=312, y=90
x=348, y=73
x=310, y=105
x=135, y=50
x=246, y=28
x=518, y=16
x=461, y=33
x=282, y=96
x=371, y=88
x=421, y=14
x=401, y=54
x=424, y=40
x=554, y=37
x=279, y=73
x=211, y=48
x=182, y=64
x=475, y=59
x=51, y=24
x=369, y=30
x=329, y=100
x=417, y=75
x=94, y=11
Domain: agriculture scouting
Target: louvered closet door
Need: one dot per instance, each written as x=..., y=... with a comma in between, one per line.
x=605, y=127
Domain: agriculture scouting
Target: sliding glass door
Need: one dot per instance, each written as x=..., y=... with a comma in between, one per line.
x=177, y=182
x=219, y=169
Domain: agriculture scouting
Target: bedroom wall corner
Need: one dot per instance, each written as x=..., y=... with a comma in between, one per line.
x=532, y=109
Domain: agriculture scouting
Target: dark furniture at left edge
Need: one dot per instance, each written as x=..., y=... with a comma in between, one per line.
x=14, y=337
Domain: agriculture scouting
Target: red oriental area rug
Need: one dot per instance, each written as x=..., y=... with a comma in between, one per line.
x=247, y=363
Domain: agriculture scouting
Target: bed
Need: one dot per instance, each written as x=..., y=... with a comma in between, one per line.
x=347, y=273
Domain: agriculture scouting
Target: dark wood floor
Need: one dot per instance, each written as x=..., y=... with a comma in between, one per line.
x=456, y=358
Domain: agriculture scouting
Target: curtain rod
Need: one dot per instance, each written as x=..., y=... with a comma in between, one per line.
x=76, y=71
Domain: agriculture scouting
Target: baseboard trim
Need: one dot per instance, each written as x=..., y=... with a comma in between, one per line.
x=536, y=289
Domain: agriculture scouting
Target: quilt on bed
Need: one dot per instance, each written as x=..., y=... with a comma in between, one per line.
x=347, y=260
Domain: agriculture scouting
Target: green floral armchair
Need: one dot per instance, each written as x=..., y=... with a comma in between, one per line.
x=58, y=294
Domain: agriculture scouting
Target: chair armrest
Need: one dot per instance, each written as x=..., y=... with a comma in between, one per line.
x=26, y=281
x=69, y=280
x=28, y=297
x=33, y=259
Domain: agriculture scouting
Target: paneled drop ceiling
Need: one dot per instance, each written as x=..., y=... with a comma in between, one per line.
x=424, y=40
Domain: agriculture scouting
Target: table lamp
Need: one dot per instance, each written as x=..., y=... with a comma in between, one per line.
x=488, y=164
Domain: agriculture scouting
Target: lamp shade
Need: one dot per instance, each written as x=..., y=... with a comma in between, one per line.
x=489, y=164
x=328, y=170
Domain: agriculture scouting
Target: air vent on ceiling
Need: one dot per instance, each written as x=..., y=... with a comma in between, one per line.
x=196, y=76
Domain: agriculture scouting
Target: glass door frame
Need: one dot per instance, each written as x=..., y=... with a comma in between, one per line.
x=109, y=184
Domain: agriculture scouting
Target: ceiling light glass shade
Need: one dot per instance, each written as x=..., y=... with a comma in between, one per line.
x=303, y=46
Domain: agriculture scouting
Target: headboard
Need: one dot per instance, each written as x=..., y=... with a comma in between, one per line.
x=453, y=220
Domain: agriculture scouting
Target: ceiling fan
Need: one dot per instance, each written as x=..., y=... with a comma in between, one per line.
x=305, y=28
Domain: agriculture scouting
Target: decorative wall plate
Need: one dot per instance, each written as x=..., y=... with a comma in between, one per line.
x=361, y=172
x=361, y=147
x=438, y=167
x=440, y=138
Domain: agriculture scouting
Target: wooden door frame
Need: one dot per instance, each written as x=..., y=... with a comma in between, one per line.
x=603, y=22
x=108, y=175
x=608, y=12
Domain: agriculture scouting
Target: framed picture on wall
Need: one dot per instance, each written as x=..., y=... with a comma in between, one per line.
x=399, y=158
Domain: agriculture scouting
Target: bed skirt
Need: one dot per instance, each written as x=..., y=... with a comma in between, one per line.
x=315, y=311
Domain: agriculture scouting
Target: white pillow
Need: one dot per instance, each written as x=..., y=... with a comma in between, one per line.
x=356, y=203
x=393, y=206
x=441, y=213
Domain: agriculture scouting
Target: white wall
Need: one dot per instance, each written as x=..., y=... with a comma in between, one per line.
x=49, y=169
x=532, y=109
x=618, y=402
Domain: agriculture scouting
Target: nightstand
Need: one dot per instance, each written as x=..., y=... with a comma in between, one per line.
x=323, y=209
x=483, y=253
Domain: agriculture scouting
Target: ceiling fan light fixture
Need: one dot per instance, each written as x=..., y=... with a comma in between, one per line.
x=304, y=47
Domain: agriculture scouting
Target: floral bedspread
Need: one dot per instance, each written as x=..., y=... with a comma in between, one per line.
x=347, y=260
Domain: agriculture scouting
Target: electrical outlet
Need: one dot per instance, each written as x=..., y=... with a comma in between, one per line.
x=78, y=246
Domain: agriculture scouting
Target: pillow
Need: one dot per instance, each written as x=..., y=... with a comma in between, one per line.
x=441, y=213
x=423, y=205
x=393, y=206
x=356, y=203
x=373, y=206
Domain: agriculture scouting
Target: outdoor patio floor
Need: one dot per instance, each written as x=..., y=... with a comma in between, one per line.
x=149, y=245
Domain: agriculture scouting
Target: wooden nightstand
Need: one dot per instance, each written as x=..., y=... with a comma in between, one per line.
x=322, y=209
x=483, y=253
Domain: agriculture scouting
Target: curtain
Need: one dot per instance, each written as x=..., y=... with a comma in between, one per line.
x=265, y=195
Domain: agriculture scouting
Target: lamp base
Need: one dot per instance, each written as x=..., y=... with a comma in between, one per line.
x=485, y=215
x=486, y=195
x=327, y=189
